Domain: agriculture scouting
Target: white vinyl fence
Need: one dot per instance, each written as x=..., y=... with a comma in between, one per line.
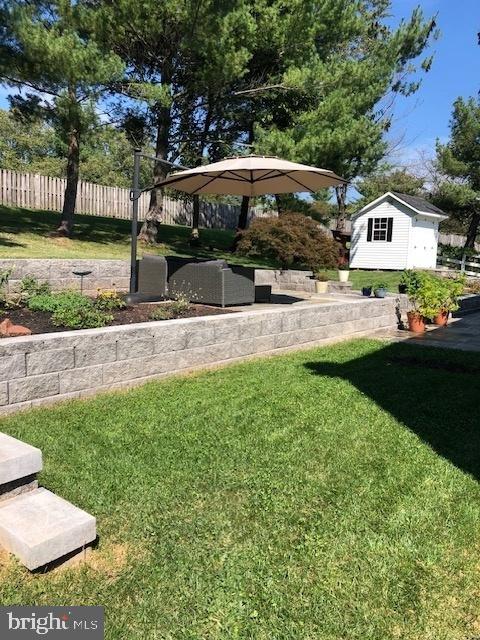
x=43, y=192
x=470, y=266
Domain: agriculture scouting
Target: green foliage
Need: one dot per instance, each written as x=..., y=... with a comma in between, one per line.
x=459, y=161
x=4, y=278
x=80, y=316
x=30, y=286
x=345, y=61
x=430, y=294
x=292, y=239
x=47, y=48
x=376, y=185
x=170, y=310
x=35, y=147
x=70, y=309
x=321, y=276
x=109, y=300
x=411, y=280
x=381, y=284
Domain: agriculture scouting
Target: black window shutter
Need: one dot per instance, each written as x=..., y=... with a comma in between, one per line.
x=370, y=230
x=389, y=229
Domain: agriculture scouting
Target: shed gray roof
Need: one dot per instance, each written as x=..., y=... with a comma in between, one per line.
x=419, y=203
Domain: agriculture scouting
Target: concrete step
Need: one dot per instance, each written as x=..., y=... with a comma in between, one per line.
x=39, y=528
x=19, y=464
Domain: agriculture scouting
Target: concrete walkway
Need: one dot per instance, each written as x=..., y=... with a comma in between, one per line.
x=462, y=333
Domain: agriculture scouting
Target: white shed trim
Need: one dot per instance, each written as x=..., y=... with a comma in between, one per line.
x=389, y=194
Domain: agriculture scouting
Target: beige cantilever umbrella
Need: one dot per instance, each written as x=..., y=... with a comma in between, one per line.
x=252, y=176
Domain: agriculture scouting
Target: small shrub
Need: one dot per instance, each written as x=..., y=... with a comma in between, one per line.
x=321, y=276
x=109, y=300
x=70, y=309
x=30, y=286
x=411, y=280
x=381, y=284
x=175, y=309
x=291, y=239
x=81, y=317
x=42, y=302
x=4, y=278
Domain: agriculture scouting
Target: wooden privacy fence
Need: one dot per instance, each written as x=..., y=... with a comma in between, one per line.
x=35, y=191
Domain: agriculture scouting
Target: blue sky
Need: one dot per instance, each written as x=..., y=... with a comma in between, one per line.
x=423, y=117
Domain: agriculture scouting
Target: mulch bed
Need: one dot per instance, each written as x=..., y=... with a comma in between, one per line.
x=40, y=322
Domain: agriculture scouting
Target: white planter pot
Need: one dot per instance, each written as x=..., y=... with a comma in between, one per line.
x=321, y=287
x=343, y=275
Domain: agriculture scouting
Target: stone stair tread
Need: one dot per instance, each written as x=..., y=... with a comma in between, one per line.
x=17, y=459
x=39, y=527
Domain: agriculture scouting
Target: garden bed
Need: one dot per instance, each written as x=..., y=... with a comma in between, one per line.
x=41, y=321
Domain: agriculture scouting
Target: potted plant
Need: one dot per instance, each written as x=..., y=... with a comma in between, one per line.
x=380, y=289
x=423, y=296
x=343, y=272
x=367, y=291
x=321, y=282
x=409, y=281
x=449, y=292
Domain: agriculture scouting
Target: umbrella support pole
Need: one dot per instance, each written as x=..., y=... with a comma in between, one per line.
x=135, y=194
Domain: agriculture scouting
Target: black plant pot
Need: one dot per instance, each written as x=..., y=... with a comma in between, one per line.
x=366, y=291
x=402, y=288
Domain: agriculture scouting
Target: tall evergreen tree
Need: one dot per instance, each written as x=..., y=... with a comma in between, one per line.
x=345, y=71
x=178, y=55
x=46, y=49
x=459, y=161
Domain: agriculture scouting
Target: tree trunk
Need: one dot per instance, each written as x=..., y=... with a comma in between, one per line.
x=341, y=193
x=243, y=217
x=151, y=226
x=279, y=203
x=195, y=233
x=65, y=227
x=472, y=230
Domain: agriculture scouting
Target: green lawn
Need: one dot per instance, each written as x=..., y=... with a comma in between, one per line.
x=25, y=233
x=329, y=494
x=360, y=278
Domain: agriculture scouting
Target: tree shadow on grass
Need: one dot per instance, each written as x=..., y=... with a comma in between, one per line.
x=434, y=392
x=42, y=223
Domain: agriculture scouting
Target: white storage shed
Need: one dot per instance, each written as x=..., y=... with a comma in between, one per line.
x=395, y=231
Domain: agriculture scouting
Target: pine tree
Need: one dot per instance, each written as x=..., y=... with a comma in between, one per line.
x=46, y=49
x=459, y=161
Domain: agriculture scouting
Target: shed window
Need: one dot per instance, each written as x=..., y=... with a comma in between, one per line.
x=380, y=229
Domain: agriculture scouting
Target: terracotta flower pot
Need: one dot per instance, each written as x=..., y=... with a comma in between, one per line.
x=416, y=322
x=441, y=319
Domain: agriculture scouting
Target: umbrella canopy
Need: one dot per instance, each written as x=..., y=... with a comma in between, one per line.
x=252, y=176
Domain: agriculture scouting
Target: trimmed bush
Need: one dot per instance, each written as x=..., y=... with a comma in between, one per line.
x=70, y=309
x=292, y=239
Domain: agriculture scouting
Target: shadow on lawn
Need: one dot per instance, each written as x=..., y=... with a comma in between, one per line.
x=434, y=392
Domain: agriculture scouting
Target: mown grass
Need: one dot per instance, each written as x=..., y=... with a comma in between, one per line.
x=322, y=495
x=25, y=233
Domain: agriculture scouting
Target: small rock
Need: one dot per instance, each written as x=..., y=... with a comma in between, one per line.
x=10, y=330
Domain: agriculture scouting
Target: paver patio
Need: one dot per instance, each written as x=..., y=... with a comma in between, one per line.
x=461, y=333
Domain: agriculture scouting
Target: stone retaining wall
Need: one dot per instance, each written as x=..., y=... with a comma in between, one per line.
x=57, y=366
x=108, y=274
x=288, y=280
x=105, y=274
